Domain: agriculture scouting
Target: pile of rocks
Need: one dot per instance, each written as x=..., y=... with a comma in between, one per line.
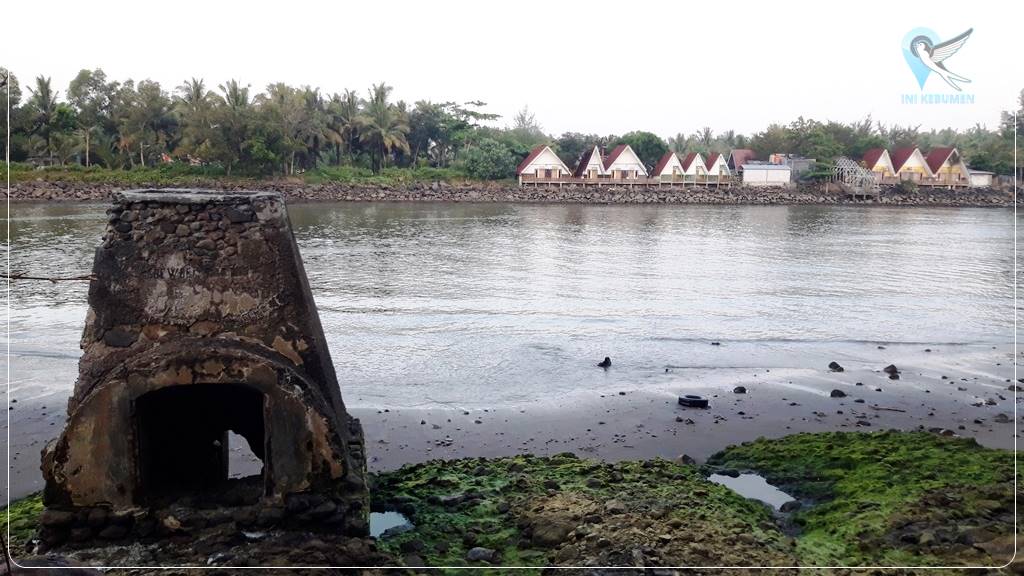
x=40, y=190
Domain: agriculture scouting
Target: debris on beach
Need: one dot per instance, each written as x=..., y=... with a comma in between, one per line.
x=693, y=401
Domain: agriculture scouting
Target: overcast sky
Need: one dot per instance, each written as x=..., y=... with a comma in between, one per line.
x=586, y=66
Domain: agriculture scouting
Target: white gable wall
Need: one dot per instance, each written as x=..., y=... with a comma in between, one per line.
x=721, y=166
x=695, y=167
x=674, y=166
x=915, y=164
x=595, y=162
x=628, y=160
x=546, y=160
x=883, y=164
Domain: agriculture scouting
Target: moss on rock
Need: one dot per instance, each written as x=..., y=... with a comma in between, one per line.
x=889, y=498
x=23, y=519
x=885, y=498
x=561, y=510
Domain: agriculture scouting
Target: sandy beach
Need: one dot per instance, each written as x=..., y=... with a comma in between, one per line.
x=964, y=390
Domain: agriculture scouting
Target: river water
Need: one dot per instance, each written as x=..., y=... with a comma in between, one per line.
x=473, y=305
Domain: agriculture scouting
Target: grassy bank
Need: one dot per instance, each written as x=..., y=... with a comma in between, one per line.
x=884, y=498
x=182, y=174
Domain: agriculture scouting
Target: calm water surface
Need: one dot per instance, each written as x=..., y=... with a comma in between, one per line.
x=500, y=304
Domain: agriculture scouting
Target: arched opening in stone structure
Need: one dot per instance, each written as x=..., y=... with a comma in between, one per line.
x=183, y=436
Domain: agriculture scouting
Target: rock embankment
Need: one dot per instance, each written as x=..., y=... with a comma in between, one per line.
x=39, y=190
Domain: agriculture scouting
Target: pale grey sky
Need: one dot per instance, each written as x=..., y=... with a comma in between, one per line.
x=586, y=66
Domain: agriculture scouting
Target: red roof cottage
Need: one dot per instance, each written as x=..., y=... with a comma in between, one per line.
x=541, y=164
x=591, y=165
x=669, y=168
x=624, y=164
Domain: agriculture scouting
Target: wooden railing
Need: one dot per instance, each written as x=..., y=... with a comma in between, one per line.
x=702, y=180
x=945, y=180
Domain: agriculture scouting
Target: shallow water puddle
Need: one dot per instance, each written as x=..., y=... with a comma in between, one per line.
x=755, y=487
x=381, y=522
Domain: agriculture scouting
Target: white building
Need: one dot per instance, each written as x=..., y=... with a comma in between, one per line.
x=624, y=164
x=981, y=179
x=542, y=163
x=767, y=174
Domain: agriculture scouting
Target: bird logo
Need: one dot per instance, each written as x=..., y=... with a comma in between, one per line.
x=925, y=55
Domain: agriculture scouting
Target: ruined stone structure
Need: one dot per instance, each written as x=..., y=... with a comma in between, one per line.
x=201, y=322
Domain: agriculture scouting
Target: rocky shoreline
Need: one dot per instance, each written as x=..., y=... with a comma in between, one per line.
x=45, y=191
x=930, y=501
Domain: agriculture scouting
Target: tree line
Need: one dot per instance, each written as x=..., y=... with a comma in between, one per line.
x=286, y=130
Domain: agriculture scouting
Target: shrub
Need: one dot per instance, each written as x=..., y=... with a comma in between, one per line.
x=907, y=187
x=489, y=160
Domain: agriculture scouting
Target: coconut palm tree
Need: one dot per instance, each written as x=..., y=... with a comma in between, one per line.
x=43, y=106
x=233, y=121
x=381, y=127
x=194, y=106
x=314, y=128
x=343, y=112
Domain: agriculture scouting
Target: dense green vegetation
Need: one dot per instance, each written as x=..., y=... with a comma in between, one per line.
x=231, y=130
x=884, y=498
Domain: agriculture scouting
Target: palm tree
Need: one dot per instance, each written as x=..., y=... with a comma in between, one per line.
x=705, y=137
x=43, y=104
x=314, y=128
x=343, y=112
x=381, y=127
x=85, y=133
x=233, y=121
x=194, y=105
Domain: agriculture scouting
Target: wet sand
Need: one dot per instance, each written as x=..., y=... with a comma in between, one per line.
x=648, y=422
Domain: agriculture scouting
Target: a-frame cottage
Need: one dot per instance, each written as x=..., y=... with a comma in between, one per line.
x=717, y=167
x=624, y=164
x=591, y=165
x=541, y=164
x=878, y=161
x=910, y=164
x=948, y=167
x=669, y=168
x=693, y=165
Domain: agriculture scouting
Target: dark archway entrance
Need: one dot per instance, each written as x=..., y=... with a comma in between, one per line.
x=182, y=434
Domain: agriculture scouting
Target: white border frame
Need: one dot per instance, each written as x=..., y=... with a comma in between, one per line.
x=14, y=562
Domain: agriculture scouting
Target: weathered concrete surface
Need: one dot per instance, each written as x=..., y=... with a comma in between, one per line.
x=201, y=321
